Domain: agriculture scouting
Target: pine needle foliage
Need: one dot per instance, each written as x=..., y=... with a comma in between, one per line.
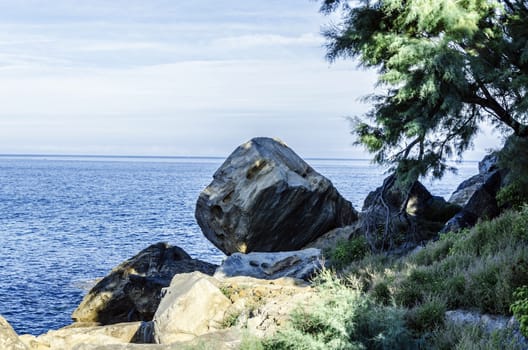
x=445, y=66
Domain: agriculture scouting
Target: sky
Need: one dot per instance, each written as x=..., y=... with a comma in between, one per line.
x=175, y=78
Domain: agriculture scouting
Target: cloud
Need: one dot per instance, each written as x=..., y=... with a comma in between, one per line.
x=258, y=40
x=124, y=46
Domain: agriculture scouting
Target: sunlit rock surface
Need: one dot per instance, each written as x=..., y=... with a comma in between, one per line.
x=265, y=198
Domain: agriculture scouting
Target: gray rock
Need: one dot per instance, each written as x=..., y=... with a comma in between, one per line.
x=488, y=164
x=490, y=323
x=300, y=264
x=8, y=338
x=131, y=292
x=266, y=198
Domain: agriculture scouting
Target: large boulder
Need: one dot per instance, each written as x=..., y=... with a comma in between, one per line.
x=397, y=215
x=266, y=198
x=131, y=292
x=191, y=306
x=300, y=264
x=8, y=338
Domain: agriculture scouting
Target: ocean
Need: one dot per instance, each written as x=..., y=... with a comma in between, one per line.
x=66, y=221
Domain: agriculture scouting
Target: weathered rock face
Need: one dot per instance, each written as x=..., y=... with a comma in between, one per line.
x=390, y=217
x=131, y=292
x=300, y=264
x=266, y=198
x=191, y=306
x=71, y=337
x=477, y=196
x=229, y=339
x=261, y=307
x=8, y=338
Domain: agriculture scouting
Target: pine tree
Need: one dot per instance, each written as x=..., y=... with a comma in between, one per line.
x=445, y=67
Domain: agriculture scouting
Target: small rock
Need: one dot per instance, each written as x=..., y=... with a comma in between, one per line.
x=301, y=264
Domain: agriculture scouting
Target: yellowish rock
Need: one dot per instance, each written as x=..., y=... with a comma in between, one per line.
x=193, y=305
x=9, y=340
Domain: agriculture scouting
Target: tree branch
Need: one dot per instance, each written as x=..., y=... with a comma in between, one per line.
x=499, y=112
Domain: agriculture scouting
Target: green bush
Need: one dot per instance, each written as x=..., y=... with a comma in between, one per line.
x=465, y=337
x=347, y=251
x=427, y=316
x=381, y=293
x=455, y=289
x=434, y=252
x=419, y=283
x=515, y=193
x=512, y=196
x=343, y=318
x=520, y=308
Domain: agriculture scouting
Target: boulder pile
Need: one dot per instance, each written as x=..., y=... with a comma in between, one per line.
x=264, y=205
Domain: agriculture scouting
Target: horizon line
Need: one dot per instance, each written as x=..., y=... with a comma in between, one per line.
x=116, y=156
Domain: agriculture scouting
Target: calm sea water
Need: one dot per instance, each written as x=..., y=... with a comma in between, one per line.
x=65, y=221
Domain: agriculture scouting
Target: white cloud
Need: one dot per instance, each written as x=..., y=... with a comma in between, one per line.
x=256, y=40
x=123, y=46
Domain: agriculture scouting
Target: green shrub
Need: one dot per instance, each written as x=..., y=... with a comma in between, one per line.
x=520, y=308
x=427, y=316
x=433, y=252
x=381, y=293
x=230, y=319
x=419, y=283
x=343, y=318
x=455, y=289
x=465, y=337
x=347, y=251
x=512, y=196
x=515, y=193
x=250, y=342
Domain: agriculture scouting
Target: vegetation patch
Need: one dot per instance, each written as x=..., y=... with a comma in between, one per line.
x=385, y=302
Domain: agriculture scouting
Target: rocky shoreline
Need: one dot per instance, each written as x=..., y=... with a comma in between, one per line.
x=275, y=217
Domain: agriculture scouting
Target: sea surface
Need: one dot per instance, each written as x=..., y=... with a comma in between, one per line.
x=66, y=221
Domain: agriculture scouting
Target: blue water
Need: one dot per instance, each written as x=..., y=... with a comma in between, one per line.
x=65, y=221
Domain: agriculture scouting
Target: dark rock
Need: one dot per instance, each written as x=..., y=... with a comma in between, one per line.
x=477, y=195
x=488, y=164
x=300, y=264
x=393, y=216
x=266, y=198
x=131, y=292
x=461, y=220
